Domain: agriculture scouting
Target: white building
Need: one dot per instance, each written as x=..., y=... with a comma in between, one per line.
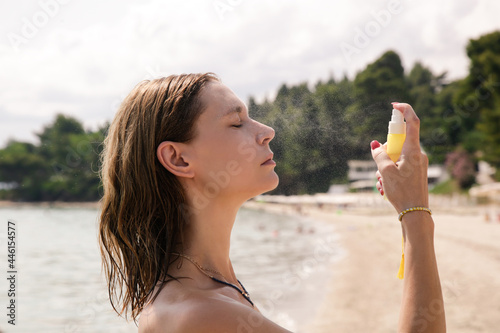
x=362, y=177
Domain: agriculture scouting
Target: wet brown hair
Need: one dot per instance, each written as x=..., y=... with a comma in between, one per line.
x=144, y=205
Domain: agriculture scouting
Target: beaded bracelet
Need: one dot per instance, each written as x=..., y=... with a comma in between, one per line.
x=401, y=272
x=413, y=209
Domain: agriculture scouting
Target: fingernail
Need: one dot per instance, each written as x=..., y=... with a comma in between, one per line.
x=374, y=144
x=394, y=103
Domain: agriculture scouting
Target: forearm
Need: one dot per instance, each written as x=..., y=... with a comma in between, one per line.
x=422, y=305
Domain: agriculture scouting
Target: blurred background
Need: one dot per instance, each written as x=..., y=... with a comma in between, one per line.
x=321, y=73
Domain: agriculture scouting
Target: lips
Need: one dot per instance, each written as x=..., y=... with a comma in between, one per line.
x=268, y=159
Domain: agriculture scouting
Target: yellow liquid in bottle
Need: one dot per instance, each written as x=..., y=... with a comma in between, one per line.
x=395, y=145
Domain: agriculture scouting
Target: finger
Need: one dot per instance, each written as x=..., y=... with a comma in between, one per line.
x=378, y=175
x=412, y=125
x=380, y=156
x=380, y=188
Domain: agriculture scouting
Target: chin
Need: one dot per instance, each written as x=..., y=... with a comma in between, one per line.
x=270, y=184
x=273, y=183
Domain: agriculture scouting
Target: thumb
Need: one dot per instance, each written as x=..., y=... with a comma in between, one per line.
x=379, y=155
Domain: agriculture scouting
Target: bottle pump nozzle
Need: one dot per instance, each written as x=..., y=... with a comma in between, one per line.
x=397, y=124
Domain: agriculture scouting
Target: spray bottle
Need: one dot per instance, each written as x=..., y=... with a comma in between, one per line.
x=395, y=139
x=396, y=135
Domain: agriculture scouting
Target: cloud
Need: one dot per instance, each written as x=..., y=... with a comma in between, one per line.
x=89, y=55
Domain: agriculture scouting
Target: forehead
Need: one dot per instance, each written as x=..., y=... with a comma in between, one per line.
x=219, y=101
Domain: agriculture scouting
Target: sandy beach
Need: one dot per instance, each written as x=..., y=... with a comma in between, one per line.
x=364, y=294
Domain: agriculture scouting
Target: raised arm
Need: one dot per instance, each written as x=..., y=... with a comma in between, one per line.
x=405, y=185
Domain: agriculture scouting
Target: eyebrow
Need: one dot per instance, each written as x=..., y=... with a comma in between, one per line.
x=232, y=110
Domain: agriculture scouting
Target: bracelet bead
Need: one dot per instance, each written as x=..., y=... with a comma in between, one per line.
x=413, y=209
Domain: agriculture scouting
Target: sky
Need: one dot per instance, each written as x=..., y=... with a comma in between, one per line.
x=81, y=58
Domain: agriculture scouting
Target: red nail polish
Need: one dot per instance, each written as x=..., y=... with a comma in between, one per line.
x=374, y=144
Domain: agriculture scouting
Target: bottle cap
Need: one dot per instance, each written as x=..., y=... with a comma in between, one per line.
x=397, y=124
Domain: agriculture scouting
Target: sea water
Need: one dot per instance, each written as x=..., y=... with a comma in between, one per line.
x=283, y=261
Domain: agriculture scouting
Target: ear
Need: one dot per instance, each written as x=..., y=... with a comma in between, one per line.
x=173, y=156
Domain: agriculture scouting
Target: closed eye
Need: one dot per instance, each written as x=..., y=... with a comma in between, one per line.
x=237, y=126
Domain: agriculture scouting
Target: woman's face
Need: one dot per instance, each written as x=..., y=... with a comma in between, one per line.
x=230, y=148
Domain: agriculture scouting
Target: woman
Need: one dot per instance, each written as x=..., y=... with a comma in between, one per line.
x=182, y=155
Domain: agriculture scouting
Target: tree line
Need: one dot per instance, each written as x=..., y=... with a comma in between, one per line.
x=318, y=129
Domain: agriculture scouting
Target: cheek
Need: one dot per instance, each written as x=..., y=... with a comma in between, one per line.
x=246, y=151
x=235, y=165
x=234, y=151
x=221, y=157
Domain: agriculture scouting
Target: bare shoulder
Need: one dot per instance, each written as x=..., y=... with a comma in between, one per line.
x=200, y=311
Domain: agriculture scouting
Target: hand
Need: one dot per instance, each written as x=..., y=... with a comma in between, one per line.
x=405, y=182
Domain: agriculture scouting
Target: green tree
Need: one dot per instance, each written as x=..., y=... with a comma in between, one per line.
x=428, y=94
x=478, y=101
x=333, y=99
x=63, y=166
x=423, y=87
x=441, y=130
x=381, y=83
x=310, y=145
x=24, y=169
x=284, y=115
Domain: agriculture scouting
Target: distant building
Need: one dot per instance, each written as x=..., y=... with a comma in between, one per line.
x=338, y=189
x=485, y=173
x=8, y=186
x=436, y=173
x=362, y=177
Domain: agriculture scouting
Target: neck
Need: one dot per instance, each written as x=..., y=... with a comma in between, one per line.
x=207, y=238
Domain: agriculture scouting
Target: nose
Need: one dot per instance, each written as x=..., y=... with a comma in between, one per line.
x=266, y=134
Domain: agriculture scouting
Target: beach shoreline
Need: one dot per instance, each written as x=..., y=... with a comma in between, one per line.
x=364, y=295
x=50, y=204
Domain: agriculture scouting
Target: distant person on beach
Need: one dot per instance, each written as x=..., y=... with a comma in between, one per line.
x=181, y=156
